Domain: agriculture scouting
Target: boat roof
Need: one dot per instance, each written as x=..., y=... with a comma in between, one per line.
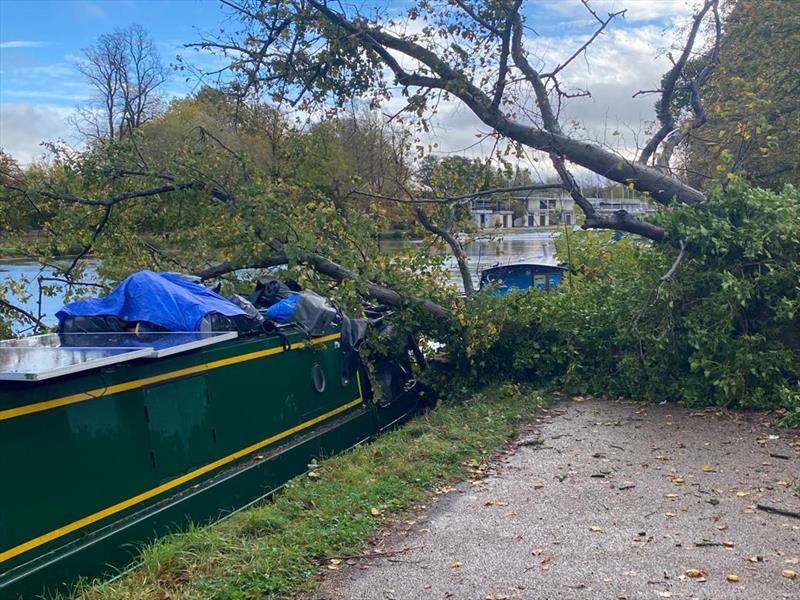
x=538, y=266
x=50, y=355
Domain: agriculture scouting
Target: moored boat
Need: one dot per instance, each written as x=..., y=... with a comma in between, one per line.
x=110, y=439
x=522, y=276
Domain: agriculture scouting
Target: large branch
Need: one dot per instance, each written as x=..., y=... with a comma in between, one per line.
x=694, y=86
x=619, y=220
x=226, y=267
x=381, y=293
x=462, y=198
x=455, y=246
x=116, y=199
x=664, y=109
x=662, y=187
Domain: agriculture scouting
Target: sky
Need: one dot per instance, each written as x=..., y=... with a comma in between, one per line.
x=41, y=43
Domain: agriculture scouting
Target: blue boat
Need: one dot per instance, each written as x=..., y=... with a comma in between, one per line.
x=522, y=276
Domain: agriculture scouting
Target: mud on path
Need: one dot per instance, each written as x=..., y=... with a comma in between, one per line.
x=603, y=500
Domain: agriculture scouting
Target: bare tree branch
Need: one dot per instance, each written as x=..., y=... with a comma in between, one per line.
x=434, y=72
x=668, y=276
x=124, y=68
x=664, y=109
x=39, y=324
x=603, y=24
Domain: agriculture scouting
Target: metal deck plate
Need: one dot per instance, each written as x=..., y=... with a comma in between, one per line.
x=35, y=364
x=51, y=355
x=165, y=344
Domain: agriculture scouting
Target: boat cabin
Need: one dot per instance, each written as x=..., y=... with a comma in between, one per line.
x=109, y=439
x=522, y=276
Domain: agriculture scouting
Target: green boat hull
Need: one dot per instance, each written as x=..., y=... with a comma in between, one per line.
x=99, y=463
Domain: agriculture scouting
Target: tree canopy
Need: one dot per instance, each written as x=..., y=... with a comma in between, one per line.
x=753, y=119
x=313, y=53
x=224, y=184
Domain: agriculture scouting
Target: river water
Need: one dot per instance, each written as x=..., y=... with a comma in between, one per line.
x=484, y=252
x=488, y=251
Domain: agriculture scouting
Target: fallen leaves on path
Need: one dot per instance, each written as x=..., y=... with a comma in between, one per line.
x=495, y=503
x=755, y=559
x=695, y=573
x=733, y=578
x=789, y=573
x=334, y=564
x=596, y=529
x=456, y=565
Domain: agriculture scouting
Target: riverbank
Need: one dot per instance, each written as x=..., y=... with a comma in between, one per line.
x=276, y=549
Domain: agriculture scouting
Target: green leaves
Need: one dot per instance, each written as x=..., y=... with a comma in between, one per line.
x=718, y=334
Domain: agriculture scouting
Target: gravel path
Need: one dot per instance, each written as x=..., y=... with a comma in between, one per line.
x=603, y=500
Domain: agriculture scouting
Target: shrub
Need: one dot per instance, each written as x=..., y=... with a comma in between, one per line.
x=723, y=331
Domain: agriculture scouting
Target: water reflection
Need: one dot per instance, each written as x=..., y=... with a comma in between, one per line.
x=486, y=251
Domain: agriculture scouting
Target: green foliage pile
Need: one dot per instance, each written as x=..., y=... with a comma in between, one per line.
x=724, y=331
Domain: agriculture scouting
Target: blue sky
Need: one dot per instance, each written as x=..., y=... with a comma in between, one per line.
x=41, y=42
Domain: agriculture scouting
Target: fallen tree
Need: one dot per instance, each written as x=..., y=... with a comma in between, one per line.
x=474, y=52
x=336, y=272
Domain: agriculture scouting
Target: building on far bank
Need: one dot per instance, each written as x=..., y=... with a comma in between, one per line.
x=543, y=210
x=547, y=211
x=522, y=210
x=491, y=214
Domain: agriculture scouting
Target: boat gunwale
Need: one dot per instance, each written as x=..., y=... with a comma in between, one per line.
x=15, y=410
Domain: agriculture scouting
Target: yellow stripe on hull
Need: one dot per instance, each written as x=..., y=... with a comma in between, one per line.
x=20, y=411
x=170, y=485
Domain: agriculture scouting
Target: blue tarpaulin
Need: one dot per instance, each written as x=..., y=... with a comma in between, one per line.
x=164, y=299
x=281, y=311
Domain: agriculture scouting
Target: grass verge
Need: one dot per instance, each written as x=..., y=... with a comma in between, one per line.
x=274, y=550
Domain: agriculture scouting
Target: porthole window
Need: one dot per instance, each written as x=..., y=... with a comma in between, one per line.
x=318, y=377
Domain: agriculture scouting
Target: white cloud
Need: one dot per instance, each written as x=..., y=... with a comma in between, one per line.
x=44, y=95
x=616, y=66
x=22, y=44
x=23, y=127
x=635, y=10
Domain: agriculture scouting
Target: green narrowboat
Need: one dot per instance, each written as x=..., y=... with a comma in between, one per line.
x=106, y=445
